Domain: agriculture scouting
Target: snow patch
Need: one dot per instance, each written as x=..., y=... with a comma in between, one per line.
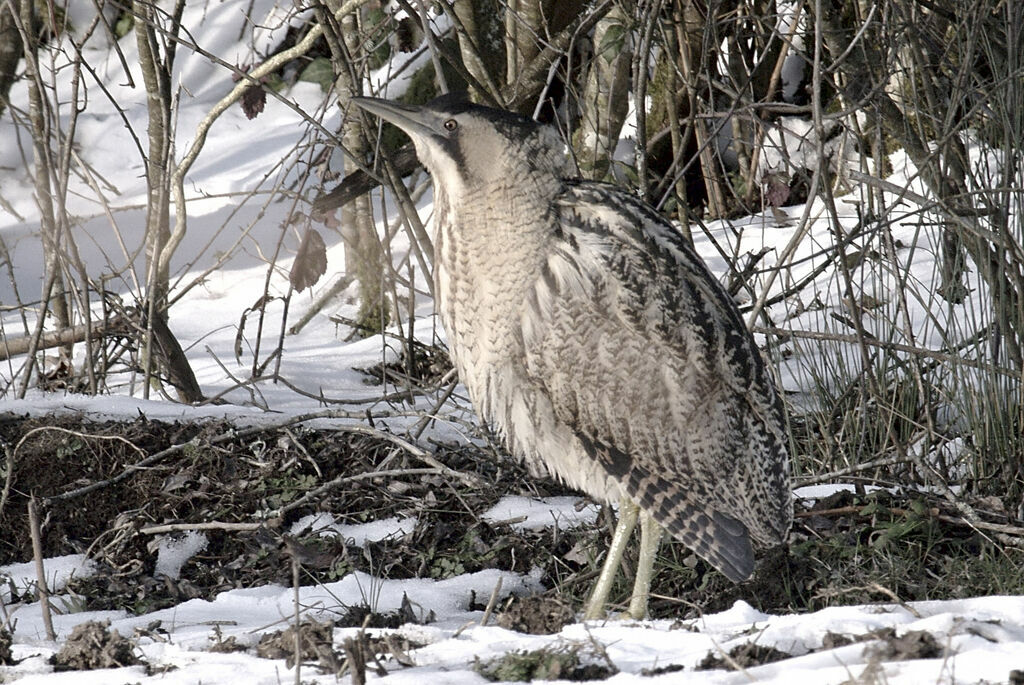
x=58, y=571
x=357, y=534
x=174, y=551
x=813, y=493
x=527, y=513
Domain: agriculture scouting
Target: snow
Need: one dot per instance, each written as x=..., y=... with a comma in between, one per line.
x=234, y=227
x=525, y=513
x=356, y=533
x=812, y=493
x=173, y=551
x=58, y=571
x=981, y=639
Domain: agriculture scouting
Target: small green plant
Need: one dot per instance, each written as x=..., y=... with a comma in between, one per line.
x=446, y=567
x=339, y=569
x=288, y=487
x=69, y=447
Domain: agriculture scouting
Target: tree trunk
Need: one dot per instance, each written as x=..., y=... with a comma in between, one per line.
x=10, y=52
x=523, y=25
x=54, y=296
x=157, y=63
x=476, y=24
x=364, y=256
x=695, y=62
x=156, y=77
x=605, y=96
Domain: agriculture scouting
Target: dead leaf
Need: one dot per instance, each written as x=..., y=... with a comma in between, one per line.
x=776, y=191
x=254, y=99
x=310, y=262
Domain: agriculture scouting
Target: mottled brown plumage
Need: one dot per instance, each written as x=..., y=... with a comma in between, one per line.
x=589, y=333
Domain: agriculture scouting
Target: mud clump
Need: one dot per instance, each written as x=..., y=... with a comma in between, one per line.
x=6, y=657
x=316, y=642
x=741, y=657
x=914, y=644
x=537, y=615
x=93, y=645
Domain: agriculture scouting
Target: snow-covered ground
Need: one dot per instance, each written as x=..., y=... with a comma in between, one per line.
x=980, y=639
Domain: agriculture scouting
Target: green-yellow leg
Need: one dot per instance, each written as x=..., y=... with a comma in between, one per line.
x=650, y=539
x=628, y=512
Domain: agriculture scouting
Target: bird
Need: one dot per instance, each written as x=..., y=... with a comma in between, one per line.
x=593, y=338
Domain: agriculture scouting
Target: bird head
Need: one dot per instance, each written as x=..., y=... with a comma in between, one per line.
x=466, y=146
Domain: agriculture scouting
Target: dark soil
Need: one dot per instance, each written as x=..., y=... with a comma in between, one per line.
x=846, y=549
x=913, y=644
x=235, y=481
x=742, y=657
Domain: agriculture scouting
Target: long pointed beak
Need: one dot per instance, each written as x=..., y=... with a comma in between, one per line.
x=411, y=119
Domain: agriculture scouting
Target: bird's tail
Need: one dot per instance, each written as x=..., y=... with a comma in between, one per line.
x=719, y=539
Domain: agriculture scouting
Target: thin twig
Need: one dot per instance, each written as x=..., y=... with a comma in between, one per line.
x=227, y=436
x=37, y=554
x=207, y=525
x=275, y=518
x=199, y=138
x=892, y=595
x=491, y=602
x=297, y=625
x=855, y=468
x=8, y=478
x=875, y=342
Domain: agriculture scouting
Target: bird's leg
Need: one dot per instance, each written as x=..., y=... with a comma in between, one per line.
x=623, y=530
x=650, y=539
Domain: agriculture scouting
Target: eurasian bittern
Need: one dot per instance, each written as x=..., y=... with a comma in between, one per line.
x=591, y=335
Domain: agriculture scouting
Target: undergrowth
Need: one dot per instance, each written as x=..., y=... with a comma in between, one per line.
x=849, y=548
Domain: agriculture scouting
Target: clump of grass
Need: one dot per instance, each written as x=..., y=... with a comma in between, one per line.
x=6, y=640
x=558, y=662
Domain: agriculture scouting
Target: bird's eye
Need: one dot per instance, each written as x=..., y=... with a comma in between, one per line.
x=451, y=125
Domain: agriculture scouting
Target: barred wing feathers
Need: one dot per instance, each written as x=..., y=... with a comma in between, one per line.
x=645, y=358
